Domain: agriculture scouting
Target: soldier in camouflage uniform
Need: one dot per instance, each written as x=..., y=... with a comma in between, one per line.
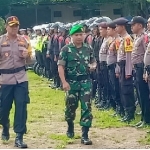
x=75, y=62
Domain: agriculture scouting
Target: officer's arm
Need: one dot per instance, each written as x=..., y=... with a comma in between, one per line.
x=92, y=58
x=128, y=50
x=61, y=64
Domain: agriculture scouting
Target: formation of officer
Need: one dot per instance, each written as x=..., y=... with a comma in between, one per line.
x=121, y=78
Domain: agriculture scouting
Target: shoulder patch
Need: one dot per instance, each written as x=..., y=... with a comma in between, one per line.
x=128, y=44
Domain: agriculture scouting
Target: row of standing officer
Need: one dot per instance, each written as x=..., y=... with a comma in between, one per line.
x=120, y=55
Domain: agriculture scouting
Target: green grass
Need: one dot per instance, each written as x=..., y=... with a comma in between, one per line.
x=46, y=111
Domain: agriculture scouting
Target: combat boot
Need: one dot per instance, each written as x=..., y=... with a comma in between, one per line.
x=19, y=141
x=5, y=132
x=70, y=131
x=85, y=140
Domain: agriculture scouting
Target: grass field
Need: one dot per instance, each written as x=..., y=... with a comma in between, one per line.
x=47, y=128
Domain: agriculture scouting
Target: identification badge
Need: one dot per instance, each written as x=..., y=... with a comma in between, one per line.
x=6, y=54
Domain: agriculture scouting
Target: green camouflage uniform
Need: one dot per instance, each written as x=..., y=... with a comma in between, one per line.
x=76, y=63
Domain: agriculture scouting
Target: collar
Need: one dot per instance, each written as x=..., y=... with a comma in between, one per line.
x=73, y=45
x=18, y=37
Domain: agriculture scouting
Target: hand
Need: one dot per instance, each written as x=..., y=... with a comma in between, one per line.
x=117, y=75
x=66, y=86
x=128, y=76
x=92, y=67
x=145, y=77
x=47, y=56
x=55, y=58
x=25, y=53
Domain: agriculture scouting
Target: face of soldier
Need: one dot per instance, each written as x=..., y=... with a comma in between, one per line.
x=136, y=28
x=77, y=38
x=119, y=29
x=12, y=30
x=111, y=31
x=103, y=31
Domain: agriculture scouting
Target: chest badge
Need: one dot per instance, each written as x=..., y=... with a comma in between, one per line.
x=6, y=54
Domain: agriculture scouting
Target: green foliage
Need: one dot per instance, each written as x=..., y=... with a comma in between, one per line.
x=2, y=26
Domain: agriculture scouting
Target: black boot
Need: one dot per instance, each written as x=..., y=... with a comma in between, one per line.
x=19, y=141
x=5, y=132
x=70, y=131
x=129, y=115
x=85, y=140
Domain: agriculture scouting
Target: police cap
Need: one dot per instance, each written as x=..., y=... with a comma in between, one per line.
x=138, y=19
x=111, y=25
x=121, y=21
x=103, y=25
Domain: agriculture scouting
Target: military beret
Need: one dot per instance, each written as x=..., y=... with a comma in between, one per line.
x=76, y=29
x=111, y=25
x=103, y=24
x=121, y=21
x=138, y=19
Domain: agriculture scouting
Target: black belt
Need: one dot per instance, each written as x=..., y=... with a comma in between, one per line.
x=122, y=63
x=78, y=78
x=139, y=65
x=12, y=70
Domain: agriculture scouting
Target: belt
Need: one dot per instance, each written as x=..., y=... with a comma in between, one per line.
x=12, y=70
x=139, y=65
x=122, y=63
x=78, y=78
x=112, y=66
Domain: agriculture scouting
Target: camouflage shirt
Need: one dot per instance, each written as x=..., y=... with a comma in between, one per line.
x=76, y=60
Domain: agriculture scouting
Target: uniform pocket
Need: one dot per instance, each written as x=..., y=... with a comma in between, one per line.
x=6, y=53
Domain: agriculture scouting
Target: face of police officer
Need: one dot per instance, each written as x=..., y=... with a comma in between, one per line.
x=103, y=31
x=77, y=38
x=111, y=31
x=55, y=30
x=135, y=28
x=120, y=29
x=12, y=30
x=95, y=31
x=22, y=32
x=38, y=32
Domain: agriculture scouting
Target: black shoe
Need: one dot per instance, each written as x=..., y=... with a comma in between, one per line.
x=5, y=133
x=70, y=131
x=19, y=141
x=85, y=140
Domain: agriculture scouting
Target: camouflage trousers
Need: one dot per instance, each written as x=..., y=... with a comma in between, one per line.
x=80, y=91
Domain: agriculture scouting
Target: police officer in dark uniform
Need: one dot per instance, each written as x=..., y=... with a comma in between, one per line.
x=139, y=48
x=112, y=67
x=103, y=65
x=96, y=44
x=124, y=61
x=14, y=82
